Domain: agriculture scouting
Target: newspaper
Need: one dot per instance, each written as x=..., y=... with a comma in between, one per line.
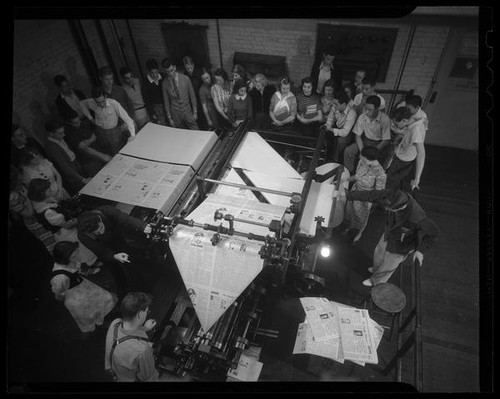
x=358, y=335
x=320, y=315
x=358, y=339
x=305, y=343
x=139, y=182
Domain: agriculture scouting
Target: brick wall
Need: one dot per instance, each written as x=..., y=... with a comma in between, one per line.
x=295, y=39
x=42, y=49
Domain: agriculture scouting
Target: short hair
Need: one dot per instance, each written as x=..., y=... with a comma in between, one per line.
x=124, y=71
x=374, y=100
x=306, y=80
x=104, y=71
x=97, y=91
x=62, y=251
x=133, y=303
x=151, y=64
x=238, y=69
x=37, y=188
x=351, y=86
x=331, y=83
x=330, y=50
x=260, y=76
x=187, y=60
x=368, y=80
x=393, y=199
x=204, y=70
x=285, y=80
x=398, y=114
x=88, y=221
x=342, y=97
x=222, y=73
x=59, y=79
x=238, y=84
x=167, y=63
x=370, y=153
x=27, y=155
x=360, y=70
x=413, y=100
x=52, y=125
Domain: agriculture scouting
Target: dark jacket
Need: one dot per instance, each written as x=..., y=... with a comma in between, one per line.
x=113, y=241
x=336, y=71
x=71, y=171
x=406, y=230
x=64, y=108
x=261, y=102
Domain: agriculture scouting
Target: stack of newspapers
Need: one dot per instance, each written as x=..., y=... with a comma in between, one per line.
x=338, y=332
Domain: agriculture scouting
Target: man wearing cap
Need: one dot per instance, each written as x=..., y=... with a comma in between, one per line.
x=408, y=231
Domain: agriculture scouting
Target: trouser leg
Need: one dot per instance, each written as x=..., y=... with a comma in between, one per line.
x=384, y=263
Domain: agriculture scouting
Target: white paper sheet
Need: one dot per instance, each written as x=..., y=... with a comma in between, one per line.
x=168, y=144
x=320, y=316
x=248, y=369
x=232, y=177
x=256, y=155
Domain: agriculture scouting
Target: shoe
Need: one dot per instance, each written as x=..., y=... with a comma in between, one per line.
x=370, y=269
x=367, y=283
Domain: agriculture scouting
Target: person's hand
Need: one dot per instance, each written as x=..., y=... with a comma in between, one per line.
x=154, y=119
x=149, y=324
x=195, y=115
x=122, y=257
x=131, y=138
x=86, y=180
x=277, y=123
x=420, y=256
x=415, y=183
x=148, y=229
x=107, y=158
x=171, y=121
x=210, y=125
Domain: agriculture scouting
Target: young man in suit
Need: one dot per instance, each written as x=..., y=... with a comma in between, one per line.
x=179, y=98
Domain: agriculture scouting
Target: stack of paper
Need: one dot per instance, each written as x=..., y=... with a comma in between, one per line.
x=338, y=332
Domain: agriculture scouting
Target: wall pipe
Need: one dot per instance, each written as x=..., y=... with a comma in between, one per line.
x=409, y=41
x=135, y=48
x=107, y=50
x=119, y=40
x=84, y=49
x=220, y=47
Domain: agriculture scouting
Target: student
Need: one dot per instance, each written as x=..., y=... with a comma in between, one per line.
x=368, y=89
x=409, y=155
x=207, y=102
x=87, y=302
x=179, y=98
x=20, y=140
x=369, y=176
x=152, y=94
x=358, y=80
x=132, y=87
x=328, y=100
x=339, y=124
x=309, y=109
x=129, y=351
x=220, y=92
x=240, y=104
x=64, y=158
x=414, y=104
x=283, y=107
x=261, y=95
x=325, y=69
x=408, y=231
x=194, y=72
x=68, y=100
x=113, y=91
x=107, y=113
x=372, y=129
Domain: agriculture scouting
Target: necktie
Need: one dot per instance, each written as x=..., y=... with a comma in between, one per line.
x=176, y=88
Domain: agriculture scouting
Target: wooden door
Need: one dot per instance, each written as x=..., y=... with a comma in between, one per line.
x=453, y=105
x=185, y=39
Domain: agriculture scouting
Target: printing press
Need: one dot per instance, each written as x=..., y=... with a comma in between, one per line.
x=242, y=223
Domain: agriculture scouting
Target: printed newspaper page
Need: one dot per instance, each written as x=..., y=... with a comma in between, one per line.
x=320, y=315
x=306, y=344
x=358, y=340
